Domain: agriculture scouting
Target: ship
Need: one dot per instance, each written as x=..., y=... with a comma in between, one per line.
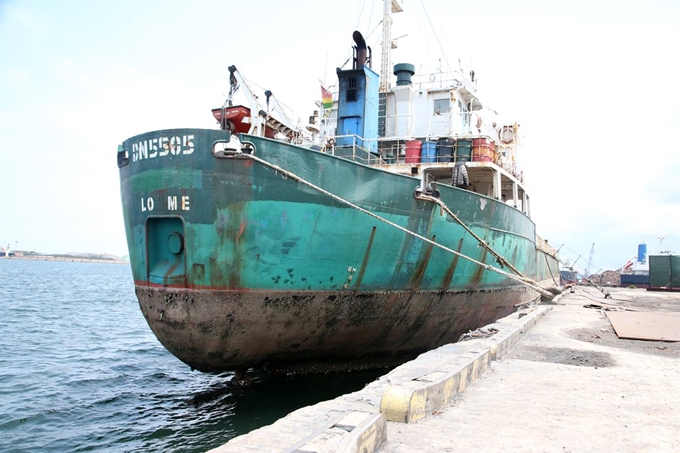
x=339, y=245
x=6, y=252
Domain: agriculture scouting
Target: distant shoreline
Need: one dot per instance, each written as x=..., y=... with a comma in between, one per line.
x=75, y=259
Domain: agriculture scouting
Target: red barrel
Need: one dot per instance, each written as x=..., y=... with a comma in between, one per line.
x=483, y=150
x=413, y=151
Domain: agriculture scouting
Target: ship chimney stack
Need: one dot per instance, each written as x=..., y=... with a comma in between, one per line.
x=361, y=51
x=357, y=112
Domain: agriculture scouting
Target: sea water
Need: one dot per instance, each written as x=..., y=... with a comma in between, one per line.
x=81, y=371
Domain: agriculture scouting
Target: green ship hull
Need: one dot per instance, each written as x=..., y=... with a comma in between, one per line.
x=238, y=265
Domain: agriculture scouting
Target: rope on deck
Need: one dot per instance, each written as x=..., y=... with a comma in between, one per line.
x=528, y=282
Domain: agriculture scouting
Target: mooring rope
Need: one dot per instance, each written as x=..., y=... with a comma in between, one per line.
x=523, y=280
x=545, y=255
x=607, y=295
x=501, y=260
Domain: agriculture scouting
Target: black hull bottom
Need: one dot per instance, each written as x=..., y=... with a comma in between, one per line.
x=215, y=331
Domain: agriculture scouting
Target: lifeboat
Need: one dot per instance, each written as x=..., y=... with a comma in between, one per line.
x=235, y=119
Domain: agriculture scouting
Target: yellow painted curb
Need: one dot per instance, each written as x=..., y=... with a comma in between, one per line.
x=368, y=436
x=412, y=400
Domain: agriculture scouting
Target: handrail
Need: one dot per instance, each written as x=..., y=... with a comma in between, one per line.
x=438, y=79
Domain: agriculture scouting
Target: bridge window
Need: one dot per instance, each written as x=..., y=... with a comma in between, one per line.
x=442, y=106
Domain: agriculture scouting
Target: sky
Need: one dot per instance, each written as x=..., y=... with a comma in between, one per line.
x=595, y=86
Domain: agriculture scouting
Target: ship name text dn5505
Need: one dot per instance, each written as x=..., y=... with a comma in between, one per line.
x=162, y=146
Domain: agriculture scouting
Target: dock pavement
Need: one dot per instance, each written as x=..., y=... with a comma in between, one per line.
x=550, y=378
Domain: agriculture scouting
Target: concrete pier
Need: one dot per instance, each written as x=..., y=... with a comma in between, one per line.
x=552, y=378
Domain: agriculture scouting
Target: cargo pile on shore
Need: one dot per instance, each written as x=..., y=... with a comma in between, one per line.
x=607, y=278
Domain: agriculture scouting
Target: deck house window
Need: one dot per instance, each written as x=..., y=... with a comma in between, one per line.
x=464, y=113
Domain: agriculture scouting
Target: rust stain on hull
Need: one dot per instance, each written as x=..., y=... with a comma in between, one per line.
x=364, y=263
x=419, y=272
x=449, y=272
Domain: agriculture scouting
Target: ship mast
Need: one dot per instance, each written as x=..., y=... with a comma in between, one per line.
x=386, y=44
x=389, y=7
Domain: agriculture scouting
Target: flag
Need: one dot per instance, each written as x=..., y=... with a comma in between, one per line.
x=326, y=98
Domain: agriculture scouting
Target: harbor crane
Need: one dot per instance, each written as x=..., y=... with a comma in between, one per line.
x=590, y=260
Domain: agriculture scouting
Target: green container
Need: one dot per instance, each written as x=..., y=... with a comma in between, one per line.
x=463, y=150
x=664, y=271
